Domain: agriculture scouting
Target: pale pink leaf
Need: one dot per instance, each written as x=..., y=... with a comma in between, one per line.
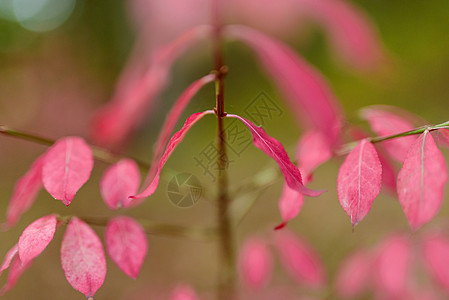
x=127, y=244
x=183, y=292
x=174, y=141
x=359, y=181
x=82, y=258
x=67, y=166
x=16, y=270
x=421, y=181
x=307, y=93
x=274, y=149
x=392, y=266
x=25, y=192
x=36, y=237
x=385, y=123
x=255, y=263
x=9, y=257
x=118, y=182
x=171, y=120
x=435, y=251
x=299, y=259
x=114, y=122
x=354, y=275
x=290, y=205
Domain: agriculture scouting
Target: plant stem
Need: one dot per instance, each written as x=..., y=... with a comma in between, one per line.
x=100, y=154
x=226, y=289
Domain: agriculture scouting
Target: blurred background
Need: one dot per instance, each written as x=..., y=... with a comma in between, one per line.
x=60, y=61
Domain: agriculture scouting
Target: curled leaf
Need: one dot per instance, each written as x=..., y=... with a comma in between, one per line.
x=16, y=268
x=255, y=263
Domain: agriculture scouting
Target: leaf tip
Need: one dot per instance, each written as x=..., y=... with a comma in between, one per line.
x=280, y=226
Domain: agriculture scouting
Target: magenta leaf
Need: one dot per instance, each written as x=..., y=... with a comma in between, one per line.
x=290, y=205
x=118, y=182
x=435, y=251
x=299, y=259
x=66, y=168
x=307, y=93
x=129, y=105
x=170, y=122
x=16, y=268
x=82, y=258
x=354, y=275
x=25, y=192
x=183, y=292
x=36, y=237
x=359, y=181
x=174, y=141
x=127, y=244
x=255, y=263
x=274, y=149
x=421, y=181
x=385, y=123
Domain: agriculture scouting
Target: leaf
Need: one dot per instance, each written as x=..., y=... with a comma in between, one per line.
x=174, y=141
x=435, y=252
x=276, y=151
x=127, y=244
x=16, y=268
x=255, y=263
x=385, y=123
x=25, y=192
x=114, y=122
x=66, y=168
x=309, y=96
x=299, y=259
x=171, y=119
x=82, y=258
x=290, y=205
x=118, y=182
x=354, y=275
x=36, y=237
x=9, y=257
x=359, y=181
x=421, y=181
x=183, y=292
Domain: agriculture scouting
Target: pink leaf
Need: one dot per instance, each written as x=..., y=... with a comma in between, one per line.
x=36, y=237
x=435, y=251
x=9, y=257
x=421, y=181
x=359, y=181
x=66, y=168
x=25, y=192
x=170, y=122
x=255, y=263
x=16, y=268
x=443, y=137
x=385, y=123
x=129, y=105
x=354, y=275
x=118, y=182
x=127, y=244
x=183, y=292
x=174, y=141
x=82, y=258
x=307, y=93
x=290, y=205
x=276, y=151
x=299, y=259
x=389, y=171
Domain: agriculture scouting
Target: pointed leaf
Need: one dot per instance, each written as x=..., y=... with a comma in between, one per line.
x=276, y=151
x=66, y=168
x=183, y=292
x=359, y=181
x=118, y=182
x=354, y=275
x=299, y=259
x=255, y=263
x=9, y=257
x=25, y=192
x=36, y=237
x=421, y=181
x=82, y=258
x=290, y=205
x=16, y=270
x=127, y=244
x=174, y=141
x=307, y=93
x=435, y=251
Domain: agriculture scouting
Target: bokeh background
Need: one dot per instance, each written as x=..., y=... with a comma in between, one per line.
x=60, y=61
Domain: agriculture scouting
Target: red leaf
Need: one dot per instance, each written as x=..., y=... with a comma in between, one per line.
x=25, y=192
x=354, y=275
x=174, y=141
x=170, y=122
x=66, y=168
x=299, y=259
x=421, y=181
x=82, y=258
x=290, y=205
x=255, y=263
x=118, y=182
x=307, y=93
x=183, y=292
x=127, y=244
x=435, y=251
x=276, y=151
x=36, y=237
x=129, y=105
x=16, y=268
x=359, y=181
x=385, y=123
